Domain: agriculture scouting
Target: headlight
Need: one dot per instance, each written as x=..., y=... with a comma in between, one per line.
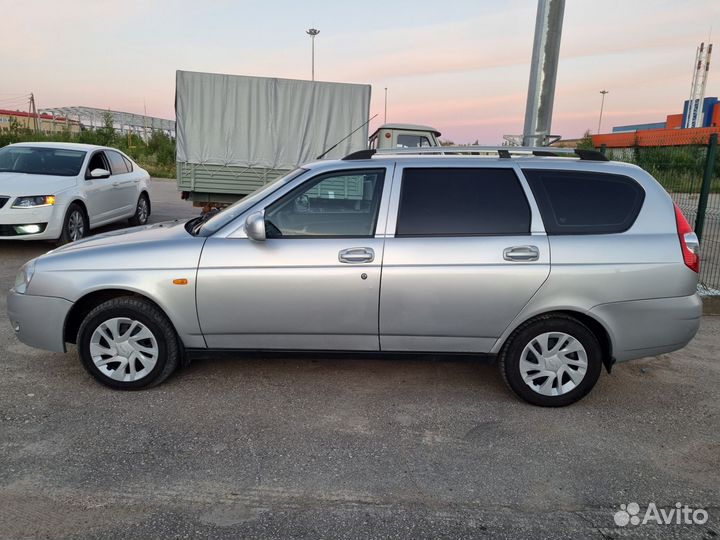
x=22, y=280
x=34, y=201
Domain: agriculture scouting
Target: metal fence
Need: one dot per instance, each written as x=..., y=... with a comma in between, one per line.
x=691, y=174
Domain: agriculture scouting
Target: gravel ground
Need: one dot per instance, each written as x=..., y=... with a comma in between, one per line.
x=329, y=447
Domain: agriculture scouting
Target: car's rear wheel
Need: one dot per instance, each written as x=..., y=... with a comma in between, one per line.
x=142, y=211
x=75, y=225
x=128, y=343
x=552, y=361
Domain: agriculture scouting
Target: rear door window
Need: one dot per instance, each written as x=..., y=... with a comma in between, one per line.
x=117, y=163
x=580, y=202
x=461, y=202
x=128, y=164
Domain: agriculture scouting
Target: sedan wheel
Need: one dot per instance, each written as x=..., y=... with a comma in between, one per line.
x=75, y=225
x=142, y=211
x=128, y=343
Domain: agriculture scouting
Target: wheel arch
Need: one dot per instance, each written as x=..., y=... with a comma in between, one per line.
x=81, y=204
x=594, y=325
x=89, y=301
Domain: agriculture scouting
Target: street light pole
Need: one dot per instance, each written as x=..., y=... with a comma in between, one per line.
x=602, y=104
x=312, y=32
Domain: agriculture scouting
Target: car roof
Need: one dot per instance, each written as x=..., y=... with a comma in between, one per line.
x=64, y=145
x=524, y=162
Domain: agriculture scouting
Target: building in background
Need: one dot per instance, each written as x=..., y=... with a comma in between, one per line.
x=46, y=123
x=700, y=117
x=668, y=133
x=123, y=122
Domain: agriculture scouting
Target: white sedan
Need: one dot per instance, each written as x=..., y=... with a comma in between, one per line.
x=59, y=191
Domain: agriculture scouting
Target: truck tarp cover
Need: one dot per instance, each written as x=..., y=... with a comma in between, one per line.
x=261, y=122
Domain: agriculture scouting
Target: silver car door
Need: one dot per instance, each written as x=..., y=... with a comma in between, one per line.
x=314, y=283
x=466, y=253
x=125, y=184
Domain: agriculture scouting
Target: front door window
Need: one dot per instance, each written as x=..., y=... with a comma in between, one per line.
x=337, y=204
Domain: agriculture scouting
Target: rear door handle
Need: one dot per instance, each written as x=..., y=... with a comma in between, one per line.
x=116, y=184
x=356, y=255
x=521, y=253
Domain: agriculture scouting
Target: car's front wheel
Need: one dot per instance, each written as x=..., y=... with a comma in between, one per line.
x=552, y=361
x=75, y=225
x=128, y=343
x=142, y=211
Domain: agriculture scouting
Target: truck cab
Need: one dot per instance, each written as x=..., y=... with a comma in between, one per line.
x=404, y=136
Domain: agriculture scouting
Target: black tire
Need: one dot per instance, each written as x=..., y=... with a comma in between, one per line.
x=510, y=358
x=72, y=230
x=142, y=311
x=142, y=210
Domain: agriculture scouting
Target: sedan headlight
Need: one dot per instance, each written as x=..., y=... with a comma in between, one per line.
x=23, y=277
x=34, y=201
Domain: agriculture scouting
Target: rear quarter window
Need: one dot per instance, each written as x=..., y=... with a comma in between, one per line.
x=580, y=202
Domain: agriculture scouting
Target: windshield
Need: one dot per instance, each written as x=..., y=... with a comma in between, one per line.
x=219, y=220
x=38, y=160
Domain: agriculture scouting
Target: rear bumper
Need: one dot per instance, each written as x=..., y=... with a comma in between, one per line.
x=38, y=321
x=642, y=328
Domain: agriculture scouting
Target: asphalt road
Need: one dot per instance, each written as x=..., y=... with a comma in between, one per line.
x=296, y=447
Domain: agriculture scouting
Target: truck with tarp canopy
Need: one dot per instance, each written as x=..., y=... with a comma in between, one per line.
x=236, y=133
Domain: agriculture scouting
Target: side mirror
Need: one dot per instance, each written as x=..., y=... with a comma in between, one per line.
x=99, y=173
x=255, y=226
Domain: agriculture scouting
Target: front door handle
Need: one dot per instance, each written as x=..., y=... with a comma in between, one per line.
x=356, y=255
x=521, y=253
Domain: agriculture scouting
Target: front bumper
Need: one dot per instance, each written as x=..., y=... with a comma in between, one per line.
x=48, y=217
x=38, y=321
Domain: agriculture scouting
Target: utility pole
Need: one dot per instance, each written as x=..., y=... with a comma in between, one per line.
x=543, y=72
x=312, y=32
x=32, y=113
x=602, y=104
x=385, y=121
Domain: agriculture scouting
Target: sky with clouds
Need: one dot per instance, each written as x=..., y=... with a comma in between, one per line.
x=461, y=66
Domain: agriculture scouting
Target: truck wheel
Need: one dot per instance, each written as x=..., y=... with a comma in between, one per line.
x=128, y=343
x=551, y=361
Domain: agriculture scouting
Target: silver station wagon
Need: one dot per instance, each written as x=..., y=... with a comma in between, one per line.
x=557, y=265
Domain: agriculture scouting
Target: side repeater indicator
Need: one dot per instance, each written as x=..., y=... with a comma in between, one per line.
x=180, y=281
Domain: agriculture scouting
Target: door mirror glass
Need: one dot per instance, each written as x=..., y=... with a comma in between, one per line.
x=99, y=173
x=255, y=226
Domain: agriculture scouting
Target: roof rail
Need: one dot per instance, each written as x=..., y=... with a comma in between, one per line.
x=504, y=152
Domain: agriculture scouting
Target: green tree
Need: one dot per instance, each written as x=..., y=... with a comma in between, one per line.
x=586, y=141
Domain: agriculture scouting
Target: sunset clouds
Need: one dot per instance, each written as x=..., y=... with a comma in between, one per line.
x=461, y=66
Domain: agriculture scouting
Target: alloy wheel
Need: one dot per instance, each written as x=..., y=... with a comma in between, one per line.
x=76, y=226
x=141, y=212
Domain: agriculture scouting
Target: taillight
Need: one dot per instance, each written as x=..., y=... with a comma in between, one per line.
x=688, y=241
